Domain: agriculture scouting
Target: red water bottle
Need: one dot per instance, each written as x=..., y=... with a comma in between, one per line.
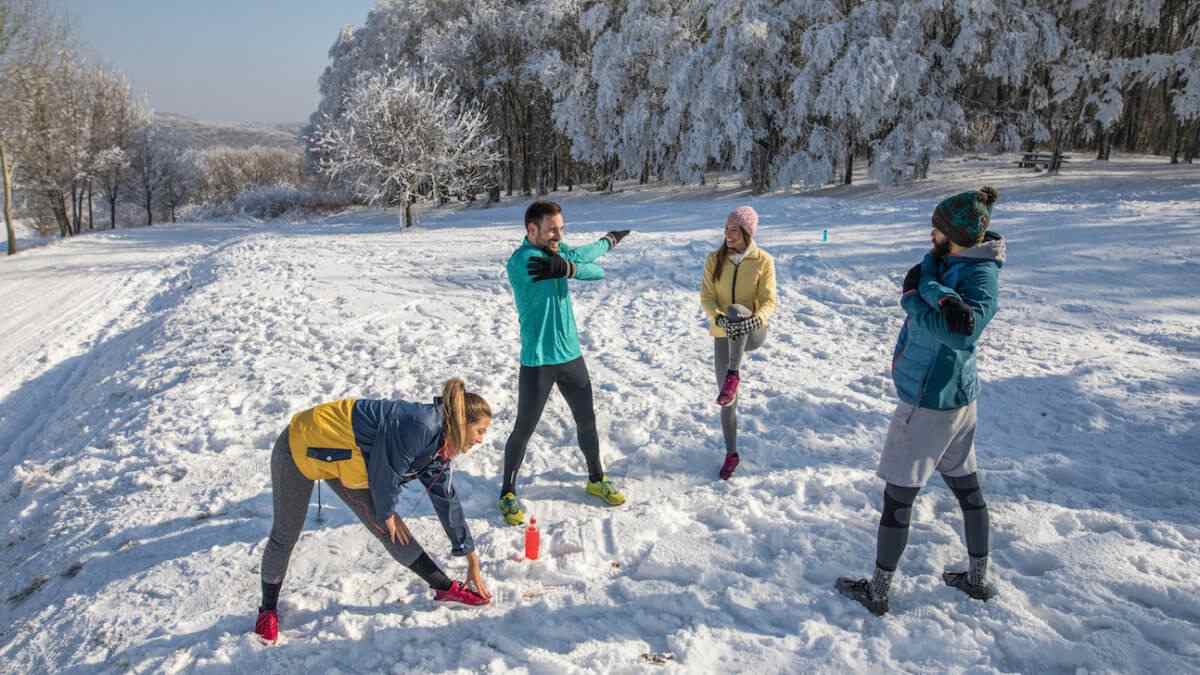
x=533, y=540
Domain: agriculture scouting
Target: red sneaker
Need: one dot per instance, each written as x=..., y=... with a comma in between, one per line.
x=731, y=462
x=729, y=389
x=460, y=592
x=267, y=625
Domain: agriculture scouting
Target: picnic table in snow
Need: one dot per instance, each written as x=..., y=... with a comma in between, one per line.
x=1042, y=159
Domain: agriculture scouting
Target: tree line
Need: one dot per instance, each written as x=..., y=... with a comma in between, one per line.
x=786, y=92
x=79, y=151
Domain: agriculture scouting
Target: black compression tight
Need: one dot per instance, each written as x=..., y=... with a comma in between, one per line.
x=532, y=393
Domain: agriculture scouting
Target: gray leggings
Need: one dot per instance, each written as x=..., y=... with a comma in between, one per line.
x=290, y=492
x=728, y=356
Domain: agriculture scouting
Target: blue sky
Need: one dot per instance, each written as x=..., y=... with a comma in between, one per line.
x=220, y=60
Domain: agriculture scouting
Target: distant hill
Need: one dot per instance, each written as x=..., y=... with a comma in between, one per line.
x=203, y=135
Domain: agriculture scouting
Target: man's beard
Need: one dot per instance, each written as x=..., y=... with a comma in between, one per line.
x=941, y=250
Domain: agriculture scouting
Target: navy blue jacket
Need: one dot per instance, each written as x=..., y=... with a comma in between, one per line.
x=400, y=441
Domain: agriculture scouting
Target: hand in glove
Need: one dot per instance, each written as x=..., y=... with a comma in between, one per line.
x=552, y=266
x=958, y=315
x=615, y=237
x=738, y=327
x=912, y=279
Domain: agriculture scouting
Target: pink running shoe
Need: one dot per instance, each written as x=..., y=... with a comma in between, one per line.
x=729, y=390
x=460, y=592
x=267, y=625
x=731, y=462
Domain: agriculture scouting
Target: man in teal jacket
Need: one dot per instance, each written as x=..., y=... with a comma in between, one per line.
x=550, y=355
x=949, y=298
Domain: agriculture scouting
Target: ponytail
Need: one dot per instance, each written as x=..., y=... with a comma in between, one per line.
x=460, y=408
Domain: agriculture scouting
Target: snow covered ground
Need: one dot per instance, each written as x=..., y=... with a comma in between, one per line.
x=27, y=236
x=145, y=373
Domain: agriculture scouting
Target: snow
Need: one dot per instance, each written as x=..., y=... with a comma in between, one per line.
x=27, y=236
x=145, y=374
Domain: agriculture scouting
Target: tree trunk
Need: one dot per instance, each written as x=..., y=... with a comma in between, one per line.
x=1194, y=147
x=1056, y=152
x=526, y=178
x=555, y=169
x=849, y=176
x=408, y=216
x=511, y=164
x=112, y=210
x=58, y=204
x=759, y=181
x=75, y=215
x=7, y=172
x=149, y=210
x=91, y=224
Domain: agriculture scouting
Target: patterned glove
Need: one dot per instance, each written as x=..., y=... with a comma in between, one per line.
x=958, y=315
x=615, y=237
x=551, y=266
x=736, y=329
x=722, y=322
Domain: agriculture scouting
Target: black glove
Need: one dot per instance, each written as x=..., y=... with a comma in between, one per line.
x=722, y=322
x=615, y=237
x=912, y=279
x=551, y=266
x=958, y=315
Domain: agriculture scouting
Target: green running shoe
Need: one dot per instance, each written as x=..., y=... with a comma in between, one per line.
x=605, y=490
x=511, y=509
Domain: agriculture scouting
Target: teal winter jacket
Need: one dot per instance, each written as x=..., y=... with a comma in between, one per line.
x=548, y=333
x=931, y=366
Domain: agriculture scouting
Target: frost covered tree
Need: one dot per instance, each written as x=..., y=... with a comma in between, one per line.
x=111, y=169
x=114, y=119
x=181, y=177
x=791, y=92
x=149, y=160
x=401, y=136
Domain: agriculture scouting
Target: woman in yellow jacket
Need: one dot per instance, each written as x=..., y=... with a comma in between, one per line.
x=366, y=450
x=738, y=295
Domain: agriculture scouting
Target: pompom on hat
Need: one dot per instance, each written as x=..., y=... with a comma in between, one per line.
x=965, y=217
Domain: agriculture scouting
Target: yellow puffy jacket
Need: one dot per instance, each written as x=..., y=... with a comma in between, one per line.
x=750, y=284
x=323, y=444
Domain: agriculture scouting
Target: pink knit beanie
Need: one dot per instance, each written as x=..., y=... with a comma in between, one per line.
x=745, y=217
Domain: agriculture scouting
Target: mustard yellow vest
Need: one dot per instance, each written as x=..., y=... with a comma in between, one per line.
x=323, y=444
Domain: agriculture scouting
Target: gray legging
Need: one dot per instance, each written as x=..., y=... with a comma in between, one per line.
x=728, y=356
x=290, y=492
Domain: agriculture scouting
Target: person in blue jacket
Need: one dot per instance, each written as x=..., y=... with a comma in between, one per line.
x=366, y=451
x=550, y=353
x=949, y=298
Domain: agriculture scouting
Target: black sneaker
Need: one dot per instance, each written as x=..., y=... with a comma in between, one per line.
x=983, y=591
x=860, y=591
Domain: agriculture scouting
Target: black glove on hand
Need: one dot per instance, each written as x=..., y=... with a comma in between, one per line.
x=958, y=315
x=912, y=279
x=552, y=266
x=615, y=237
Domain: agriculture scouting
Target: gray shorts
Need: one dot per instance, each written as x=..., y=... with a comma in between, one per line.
x=921, y=440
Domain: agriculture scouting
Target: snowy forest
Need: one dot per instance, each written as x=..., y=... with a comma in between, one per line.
x=438, y=99
x=788, y=93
